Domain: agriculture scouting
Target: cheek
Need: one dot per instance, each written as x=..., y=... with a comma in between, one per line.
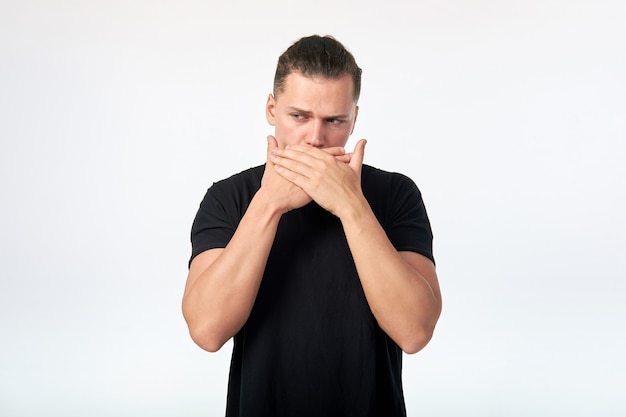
x=287, y=135
x=338, y=137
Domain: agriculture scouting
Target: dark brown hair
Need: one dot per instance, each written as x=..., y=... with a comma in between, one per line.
x=317, y=56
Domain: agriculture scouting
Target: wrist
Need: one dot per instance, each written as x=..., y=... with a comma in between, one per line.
x=266, y=206
x=355, y=212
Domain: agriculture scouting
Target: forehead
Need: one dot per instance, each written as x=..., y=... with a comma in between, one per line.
x=303, y=89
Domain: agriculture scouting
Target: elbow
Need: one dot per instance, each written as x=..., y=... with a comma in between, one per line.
x=415, y=344
x=202, y=333
x=206, y=338
x=206, y=342
x=417, y=340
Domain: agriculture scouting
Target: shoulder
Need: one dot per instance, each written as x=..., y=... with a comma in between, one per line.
x=246, y=182
x=235, y=192
x=376, y=181
x=397, y=204
x=391, y=195
x=251, y=176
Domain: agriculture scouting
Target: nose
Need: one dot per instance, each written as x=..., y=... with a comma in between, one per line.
x=316, y=135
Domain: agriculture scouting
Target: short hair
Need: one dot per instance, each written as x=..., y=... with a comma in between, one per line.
x=317, y=56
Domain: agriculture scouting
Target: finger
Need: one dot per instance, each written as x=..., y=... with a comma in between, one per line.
x=308, y=149
x=272, y=144
x=296, y=162
x=357, y=156
x=308, y=154
x=344, y=158
x=336, y=151
x=292, y=156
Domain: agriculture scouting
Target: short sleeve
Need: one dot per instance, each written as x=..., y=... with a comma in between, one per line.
x=221, y=210
x=398, y=206
x=212, y=227
x=408, y=225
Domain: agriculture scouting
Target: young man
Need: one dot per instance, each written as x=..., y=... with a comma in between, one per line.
x=320, y=267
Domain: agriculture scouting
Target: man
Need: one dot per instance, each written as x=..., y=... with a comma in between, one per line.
x=320, y=267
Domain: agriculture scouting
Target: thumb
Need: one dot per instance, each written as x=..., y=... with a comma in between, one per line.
x=272, y=144
x=357, y=156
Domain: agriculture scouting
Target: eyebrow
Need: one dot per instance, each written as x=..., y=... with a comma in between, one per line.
x=306, y=112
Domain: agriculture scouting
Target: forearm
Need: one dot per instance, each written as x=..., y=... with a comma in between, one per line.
x=219, y=298
x=405, y=302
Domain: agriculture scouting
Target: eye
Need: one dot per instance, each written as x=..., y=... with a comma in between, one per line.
x=334, y=121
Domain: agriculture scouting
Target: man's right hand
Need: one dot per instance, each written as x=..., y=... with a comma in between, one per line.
x=285, y=194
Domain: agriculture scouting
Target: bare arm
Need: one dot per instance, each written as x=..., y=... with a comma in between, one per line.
x=401, y=288
x=221, y=289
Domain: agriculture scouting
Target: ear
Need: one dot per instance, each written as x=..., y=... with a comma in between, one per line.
x=356, y=113
x=270, y=110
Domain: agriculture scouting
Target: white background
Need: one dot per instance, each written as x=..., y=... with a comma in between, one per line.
x=115, y=116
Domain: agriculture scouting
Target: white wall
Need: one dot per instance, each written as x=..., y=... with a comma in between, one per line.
x=115, y=116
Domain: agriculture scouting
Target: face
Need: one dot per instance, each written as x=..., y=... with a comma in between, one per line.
x=314, y=111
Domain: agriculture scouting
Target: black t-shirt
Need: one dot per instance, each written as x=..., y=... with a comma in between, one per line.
x=311, y=346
